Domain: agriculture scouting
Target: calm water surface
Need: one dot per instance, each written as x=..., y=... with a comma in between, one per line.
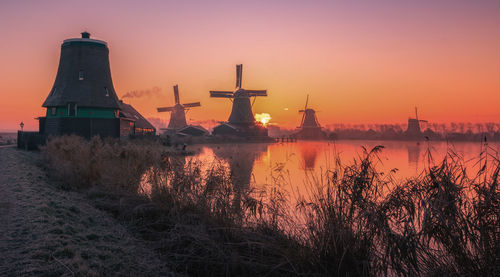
x=254, y=164
x=295, y=168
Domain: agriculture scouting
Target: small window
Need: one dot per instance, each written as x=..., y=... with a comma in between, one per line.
x=107, y=91
x=53, y=111
x=80, y=75
x=72, y=109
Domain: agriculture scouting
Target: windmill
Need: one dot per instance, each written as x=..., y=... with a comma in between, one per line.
x=83, y=94
x=178, y=111
x=309, y=127
x=241, y=113
x=414, y=125
x=309, y=119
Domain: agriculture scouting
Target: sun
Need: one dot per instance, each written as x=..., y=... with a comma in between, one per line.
x=263, y=118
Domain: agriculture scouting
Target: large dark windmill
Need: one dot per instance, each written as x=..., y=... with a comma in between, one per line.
x=178, y=111
x=309, y=127
x=82, y=100
x=241, y=121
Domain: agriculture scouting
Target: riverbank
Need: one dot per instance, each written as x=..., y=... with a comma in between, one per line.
x=199, y=220
x=48, y=231
x=355, y=221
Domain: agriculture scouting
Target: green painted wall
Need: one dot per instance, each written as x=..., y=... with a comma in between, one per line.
x=83, y=112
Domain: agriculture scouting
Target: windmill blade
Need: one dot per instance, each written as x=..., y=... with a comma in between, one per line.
x=190, y=105
x=304, y=112
x=176, y=94
x=302, y=121
x=239, y=72
x=165, y=109
x=252, y=93
x=221, y=94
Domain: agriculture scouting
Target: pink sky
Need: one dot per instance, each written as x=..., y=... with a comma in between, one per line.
x=360, y=61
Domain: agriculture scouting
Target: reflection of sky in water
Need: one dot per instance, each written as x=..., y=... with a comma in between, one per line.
x=296, y=168
x=255, y=163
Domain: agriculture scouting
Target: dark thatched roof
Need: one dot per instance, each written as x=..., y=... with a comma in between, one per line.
x=128, y=112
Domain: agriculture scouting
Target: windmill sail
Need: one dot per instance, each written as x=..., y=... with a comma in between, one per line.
x=416, y=117
x=176, y=95
x=252, y=93
x=239, y=72
x=304, y=111
x=191, y=105
x=178, y=111
x=165, y=109
x=221, y=94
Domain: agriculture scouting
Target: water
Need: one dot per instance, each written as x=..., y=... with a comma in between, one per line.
x=295, y=167
x=258, y=168
x=255, y=164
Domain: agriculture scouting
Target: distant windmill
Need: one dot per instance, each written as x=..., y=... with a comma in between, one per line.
x=309, y=125
x=309, y=119
x=178, y=111
x=414, y=124
x=241, y=113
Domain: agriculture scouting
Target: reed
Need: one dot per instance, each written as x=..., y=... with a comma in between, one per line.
x=355, y=221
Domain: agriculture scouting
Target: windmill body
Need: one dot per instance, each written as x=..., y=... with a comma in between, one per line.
x=241, y=112
x=241, y=121
x=82, y=100
x=309, y=128
x=414, y=131
x=178, y=112
x=177, y=117
x=310, y=120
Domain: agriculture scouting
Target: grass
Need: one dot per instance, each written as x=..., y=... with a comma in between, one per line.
x=356, y=221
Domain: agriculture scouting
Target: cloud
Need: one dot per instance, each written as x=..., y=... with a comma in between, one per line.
x=155, y=91
x=161, y=123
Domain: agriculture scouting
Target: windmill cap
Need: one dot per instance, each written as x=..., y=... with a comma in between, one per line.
x=85, y=39
x=85, y=34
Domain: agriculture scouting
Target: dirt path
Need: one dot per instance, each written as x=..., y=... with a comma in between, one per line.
x=7, y=146
x=50, y=232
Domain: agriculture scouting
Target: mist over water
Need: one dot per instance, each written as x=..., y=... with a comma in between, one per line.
x=254, y=164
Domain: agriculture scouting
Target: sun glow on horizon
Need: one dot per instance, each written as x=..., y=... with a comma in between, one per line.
x=263, y=118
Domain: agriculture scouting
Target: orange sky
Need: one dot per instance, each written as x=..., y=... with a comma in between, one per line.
x=360, y=62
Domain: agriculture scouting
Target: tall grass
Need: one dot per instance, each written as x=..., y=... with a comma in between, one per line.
x=356, y=221
x=78, y=163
